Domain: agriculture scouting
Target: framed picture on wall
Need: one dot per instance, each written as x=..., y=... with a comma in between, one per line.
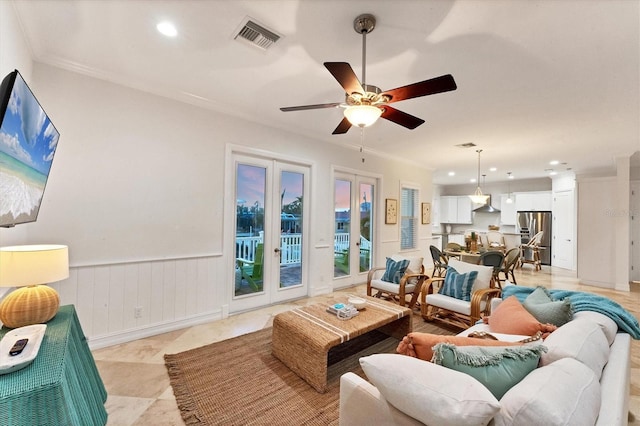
x=391, y=211
x=426, y=213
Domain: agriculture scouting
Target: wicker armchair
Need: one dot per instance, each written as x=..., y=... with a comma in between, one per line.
x=435, y=305
x=410, y=283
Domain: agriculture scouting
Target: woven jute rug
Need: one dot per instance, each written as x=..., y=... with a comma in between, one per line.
x=239, y=382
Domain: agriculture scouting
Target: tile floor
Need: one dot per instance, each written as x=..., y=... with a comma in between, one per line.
x=138, y=386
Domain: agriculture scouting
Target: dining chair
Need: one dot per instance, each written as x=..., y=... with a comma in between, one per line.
x=511, y=260
x=494, y=259
x=440, y=261
x=530, y=252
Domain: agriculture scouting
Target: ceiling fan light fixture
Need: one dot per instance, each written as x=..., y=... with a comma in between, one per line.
x=362, y=115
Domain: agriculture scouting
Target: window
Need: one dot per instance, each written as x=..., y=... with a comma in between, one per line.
x=408, y=218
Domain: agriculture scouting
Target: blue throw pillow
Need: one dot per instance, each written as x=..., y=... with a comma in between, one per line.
x=395, y=270
x=458, y=285
x=499, y=368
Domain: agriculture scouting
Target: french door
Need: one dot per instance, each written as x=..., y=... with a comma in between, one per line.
x=270, y=231
x=354, y=210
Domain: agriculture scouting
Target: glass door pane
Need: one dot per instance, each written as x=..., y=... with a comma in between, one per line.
x=366, y=225
x=291, y=216
x=250, y=230
x=342, y=214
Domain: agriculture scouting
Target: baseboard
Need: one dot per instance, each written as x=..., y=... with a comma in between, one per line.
x=125, y=336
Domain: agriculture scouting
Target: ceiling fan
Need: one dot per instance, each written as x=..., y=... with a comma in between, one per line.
x=365, y=103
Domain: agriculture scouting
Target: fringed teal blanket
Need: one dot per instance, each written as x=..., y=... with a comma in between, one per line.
x=582, y=301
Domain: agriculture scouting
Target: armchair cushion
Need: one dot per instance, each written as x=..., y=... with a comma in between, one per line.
x=395, y=270
x=454, y=398
x=414, y=267
x=510, y=317
x=545, y=309
x=458, y=285
x=483, y=280
x=498, y=368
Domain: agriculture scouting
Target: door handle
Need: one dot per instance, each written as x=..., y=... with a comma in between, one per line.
x=276, y=250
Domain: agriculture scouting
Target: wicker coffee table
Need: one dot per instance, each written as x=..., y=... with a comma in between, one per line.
x=302, y=337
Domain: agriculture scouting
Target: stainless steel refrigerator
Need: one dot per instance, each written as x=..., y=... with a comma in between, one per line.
x=529, y=224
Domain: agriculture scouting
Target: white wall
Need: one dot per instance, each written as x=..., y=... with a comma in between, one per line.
x=136, y=191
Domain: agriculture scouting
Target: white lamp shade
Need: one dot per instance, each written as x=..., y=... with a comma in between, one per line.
x=362, y=115
x=33, y=264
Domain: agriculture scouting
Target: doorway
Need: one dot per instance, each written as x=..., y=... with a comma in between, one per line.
x=270, y=231
x=354, y=236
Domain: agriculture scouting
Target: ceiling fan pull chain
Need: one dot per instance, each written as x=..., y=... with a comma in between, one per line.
x=362, y=142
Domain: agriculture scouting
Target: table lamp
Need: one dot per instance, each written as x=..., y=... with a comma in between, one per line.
x=30, y=267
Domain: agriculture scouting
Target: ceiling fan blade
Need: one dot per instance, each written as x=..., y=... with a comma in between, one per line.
x=402, y=118
x=444, y=83
x=343, y=127
x=343, y=72
x=305, y=107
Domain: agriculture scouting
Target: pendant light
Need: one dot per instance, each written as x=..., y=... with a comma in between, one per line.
x=477, y=197
x=509, y=199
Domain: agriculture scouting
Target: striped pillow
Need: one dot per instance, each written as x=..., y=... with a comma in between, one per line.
x=458, y=285
x=395, y=270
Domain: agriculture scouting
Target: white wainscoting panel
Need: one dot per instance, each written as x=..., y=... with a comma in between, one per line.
x=167, y=295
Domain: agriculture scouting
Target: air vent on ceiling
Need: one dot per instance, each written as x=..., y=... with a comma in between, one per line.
x=466, y=145
x=256, y=35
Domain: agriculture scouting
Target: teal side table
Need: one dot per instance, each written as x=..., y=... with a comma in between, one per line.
x=61, y=386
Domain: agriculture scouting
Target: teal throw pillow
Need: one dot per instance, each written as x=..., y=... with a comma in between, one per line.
x=498, y=368
x=395, y=270
x=458, y=285
x=546, y=310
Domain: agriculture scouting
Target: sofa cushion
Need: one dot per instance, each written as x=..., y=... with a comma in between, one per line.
x=580, y=339
x=499, y=368
x=458, y=285
x=420, y=345
x=395, y=270
x=483, y=280
x=510, y=317
x=565, y=392
x=430, y=393
x=545, y=309
x=607, y=325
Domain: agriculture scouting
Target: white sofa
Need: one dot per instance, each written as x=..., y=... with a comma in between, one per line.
x=361, y=403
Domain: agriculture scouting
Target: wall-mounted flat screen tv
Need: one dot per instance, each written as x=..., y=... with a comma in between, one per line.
x=28, y=142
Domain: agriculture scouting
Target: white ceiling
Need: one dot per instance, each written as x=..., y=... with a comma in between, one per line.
x=538, y=80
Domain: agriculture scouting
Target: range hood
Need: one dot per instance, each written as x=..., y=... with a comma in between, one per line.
x=487, y=208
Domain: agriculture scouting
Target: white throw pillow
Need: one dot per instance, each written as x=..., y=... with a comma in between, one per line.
x=565, y=392
x=430, y=393
x=483, y=280
x=580, y=339
x=608, y=326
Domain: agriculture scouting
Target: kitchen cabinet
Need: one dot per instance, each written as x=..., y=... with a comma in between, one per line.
x=507, y=210
x=455, y=209
x=533, y=201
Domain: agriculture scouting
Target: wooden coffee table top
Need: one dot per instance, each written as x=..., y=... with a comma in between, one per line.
x=324, y=329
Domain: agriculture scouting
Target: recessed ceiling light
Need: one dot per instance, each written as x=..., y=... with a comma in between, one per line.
x=553, y=173
x=511, y=176
x=554, y=162
x=167, y=28
x=472, y=180
x=493, y=169
x=452, y=173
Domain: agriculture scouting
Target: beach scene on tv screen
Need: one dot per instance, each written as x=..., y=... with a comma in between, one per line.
x=28, y=142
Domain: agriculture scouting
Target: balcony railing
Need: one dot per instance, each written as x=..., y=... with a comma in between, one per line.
x=290, y=246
